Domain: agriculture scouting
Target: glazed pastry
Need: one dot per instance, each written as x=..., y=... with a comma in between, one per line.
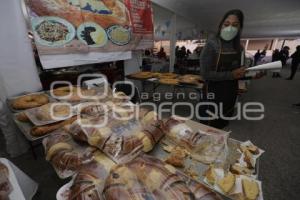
x=252, y=148
x=239, y=170
x=38, y=131
x=72, y=94
x=249, y=159
x=22, y=117
x=30, y=101
x=50, y=111
x=177, y=157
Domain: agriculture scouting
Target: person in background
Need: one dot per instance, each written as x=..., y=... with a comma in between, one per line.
x=146, y=62
x=182, y=52
x=263, y=53
x=295, y=62
x=198, y=50
x=188, y=53
x=284, y=55
x=297, y=105
x=257, y=57
x=276, y=57
x=162, y=54
x=222, y=67
x=177, y=51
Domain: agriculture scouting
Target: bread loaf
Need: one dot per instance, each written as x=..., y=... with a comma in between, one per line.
x=145, y=177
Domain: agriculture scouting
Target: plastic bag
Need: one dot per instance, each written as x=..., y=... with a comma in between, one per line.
x=88, y=183
x=206, y=147
x=65, y=154
x=50, y=113
x=121, y=140
x=145, y=178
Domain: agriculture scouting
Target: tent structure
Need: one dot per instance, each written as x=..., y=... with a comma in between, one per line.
x=269, y=18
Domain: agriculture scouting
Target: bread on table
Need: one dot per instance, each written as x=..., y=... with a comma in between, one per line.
x=88, y=182
x=248, y=158
x=210, y=175
x=240, y=170
x=29, y=101
x=38, y=131
x=250, y=188
x=252, y=148
x=227, y=183
x=22, y=117
x=177, y=157
x=63, y=153
x=50, y=111
x=145, y=177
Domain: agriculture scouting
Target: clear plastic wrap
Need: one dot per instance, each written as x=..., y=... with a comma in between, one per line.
x=149, y=178
x=122, y=140
x=206, y=147
x=50, y=113
x=88, y=183
x=65, y=154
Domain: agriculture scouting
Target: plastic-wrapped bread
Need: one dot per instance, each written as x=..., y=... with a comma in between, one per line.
x=64, y=154
x=204, y=147
x=201, y=192
x=89, y=181
x=152, y=129
x=180, y=133
x=145, y=178
x=44, y=130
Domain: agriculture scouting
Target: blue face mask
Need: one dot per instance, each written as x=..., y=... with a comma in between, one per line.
x=228, y=33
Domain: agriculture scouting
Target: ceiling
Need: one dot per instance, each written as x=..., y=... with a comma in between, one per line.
x=268, y=18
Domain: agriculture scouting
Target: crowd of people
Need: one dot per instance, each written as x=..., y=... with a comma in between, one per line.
x=281, y=55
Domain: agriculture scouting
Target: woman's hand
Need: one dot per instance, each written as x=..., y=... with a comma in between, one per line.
x=239, y=73
x=259, y=75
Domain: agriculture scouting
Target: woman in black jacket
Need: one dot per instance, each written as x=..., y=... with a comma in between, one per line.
x=295, y=62
x=222, y=65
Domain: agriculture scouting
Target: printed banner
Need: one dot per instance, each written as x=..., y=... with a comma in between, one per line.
x=82, y=26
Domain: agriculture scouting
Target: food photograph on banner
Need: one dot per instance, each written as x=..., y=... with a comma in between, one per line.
x=68, y=26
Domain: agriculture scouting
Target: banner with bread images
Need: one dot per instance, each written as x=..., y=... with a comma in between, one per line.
x=69, y=26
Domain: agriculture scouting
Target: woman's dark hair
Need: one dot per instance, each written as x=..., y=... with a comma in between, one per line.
x=239, y=14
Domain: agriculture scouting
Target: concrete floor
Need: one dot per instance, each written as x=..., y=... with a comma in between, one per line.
x=278, y=133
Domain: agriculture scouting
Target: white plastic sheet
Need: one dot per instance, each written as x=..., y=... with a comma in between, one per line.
x=15, y=142
x=24, y=188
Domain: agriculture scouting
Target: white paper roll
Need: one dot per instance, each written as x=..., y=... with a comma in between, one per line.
x=269, y=66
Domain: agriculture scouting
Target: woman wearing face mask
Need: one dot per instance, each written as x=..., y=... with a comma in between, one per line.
x=222, y=66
